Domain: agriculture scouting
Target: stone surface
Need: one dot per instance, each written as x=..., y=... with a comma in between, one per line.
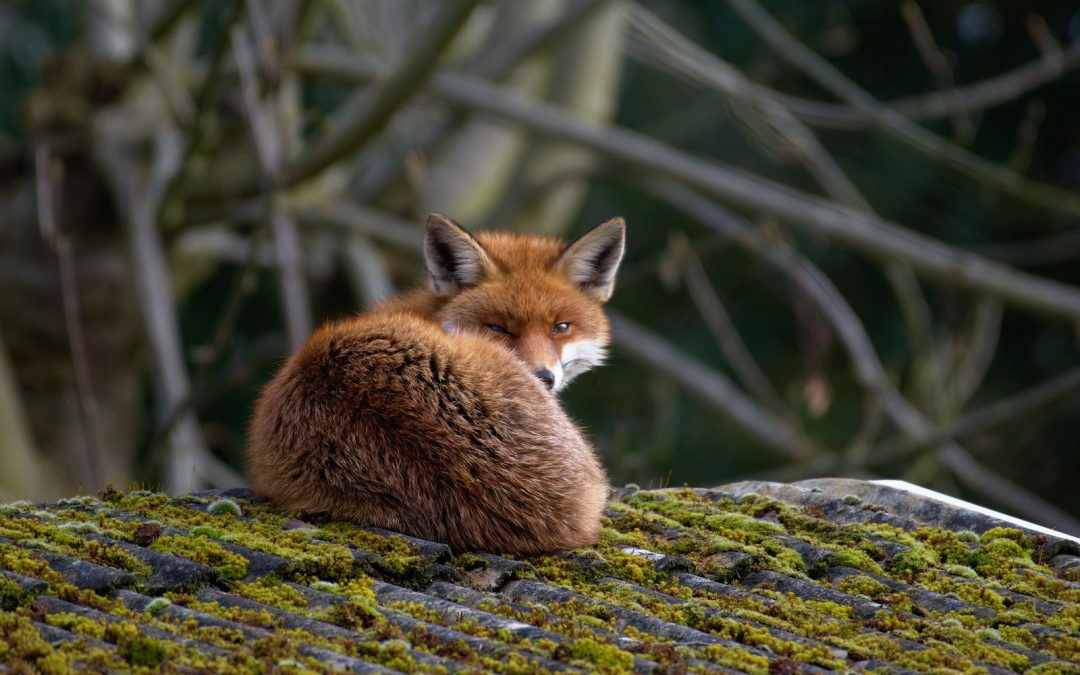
x=812, y=577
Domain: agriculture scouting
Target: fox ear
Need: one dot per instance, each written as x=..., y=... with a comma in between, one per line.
x=455, y=260
x=591, y=260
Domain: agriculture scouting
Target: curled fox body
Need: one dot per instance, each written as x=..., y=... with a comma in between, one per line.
x=434, y=414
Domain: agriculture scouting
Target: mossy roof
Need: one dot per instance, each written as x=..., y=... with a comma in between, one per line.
x=759, y=577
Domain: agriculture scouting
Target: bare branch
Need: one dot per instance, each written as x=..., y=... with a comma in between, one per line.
x=1050, y=250
x=290, y=263
x=168, y=212
x=218, y=473
x=1016, y=407
x=244, y=285
x=368, y=113
x=21, y=467
x=981, y=95
x=291, y=274
x=711, y=309
x=979, y=353
x=91, y=459
x=992, y=486
x=138, y=202
x=822, y=72
x=711, y=387
x=873, y=237
x=812, y=154
x=365, y=221
x=1043, y=37
x=936, y=62
x=495, y=67
x=363, y=116
x=869, y=370
x=366, y=270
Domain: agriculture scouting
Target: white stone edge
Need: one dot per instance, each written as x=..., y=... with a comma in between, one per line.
x=953, y=501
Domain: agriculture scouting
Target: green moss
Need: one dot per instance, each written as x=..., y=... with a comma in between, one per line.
x=962, y=571
x=737, y=659
x=83, y=527
x=723, y=539
x=76, y=624
x=11, y=595
x=1054, y=668
x=49, y=536
x=271, y=592
x=158, y=605
x=860, y=560
x=138, y=649
x=740, y=523
x=27, y=563
x=999, y=557
x=20, y=642
x=223, y=507
x=912, y=562
x=859, y=584
x=202, y=550
x=602, y=658
x=945, y=544
x=468, y=561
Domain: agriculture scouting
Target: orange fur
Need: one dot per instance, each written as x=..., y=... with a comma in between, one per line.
x=419, y=417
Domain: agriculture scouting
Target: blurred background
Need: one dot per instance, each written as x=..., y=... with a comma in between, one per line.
x=853, y=226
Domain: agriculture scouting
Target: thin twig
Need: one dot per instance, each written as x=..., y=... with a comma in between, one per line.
x=858, y=447
x=869, y=371
x=979, y=352
x=873, y=237
x=264, y=35
x=1017, y=406
x=365, y=221
x=244, y=284
x=733, y=82
x=91, y=460
x=1050, y=250
x=712, y=387
x=495, y=67
x=138, y=201
x=1002, y=491
x=366, y=269
x=821, y=71
x=936, y=62
x=290, y=263
x=363, y=116
x=169, y=212
x=901, y=278
x=218, y=473
x=994, y=91
x=712, y=311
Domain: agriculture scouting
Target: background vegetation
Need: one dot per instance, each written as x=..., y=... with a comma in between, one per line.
x=853, y=225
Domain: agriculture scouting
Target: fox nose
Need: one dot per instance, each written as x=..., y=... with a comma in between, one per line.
x=546, y=376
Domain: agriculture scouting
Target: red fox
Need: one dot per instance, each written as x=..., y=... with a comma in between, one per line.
x=434, y=414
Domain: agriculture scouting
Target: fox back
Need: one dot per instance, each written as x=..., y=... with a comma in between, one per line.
x=434, y=414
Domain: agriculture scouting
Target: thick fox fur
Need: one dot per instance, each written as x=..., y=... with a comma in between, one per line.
x=434, y=413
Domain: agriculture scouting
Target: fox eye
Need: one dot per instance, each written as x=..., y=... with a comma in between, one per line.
x=561, y=327
x=496, y=328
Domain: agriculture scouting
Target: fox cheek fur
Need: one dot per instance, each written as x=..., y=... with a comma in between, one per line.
x=432, y=414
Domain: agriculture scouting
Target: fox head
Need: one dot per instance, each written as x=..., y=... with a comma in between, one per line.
x=539, y=296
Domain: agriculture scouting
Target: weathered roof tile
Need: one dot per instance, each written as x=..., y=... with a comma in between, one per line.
x=753, y=577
